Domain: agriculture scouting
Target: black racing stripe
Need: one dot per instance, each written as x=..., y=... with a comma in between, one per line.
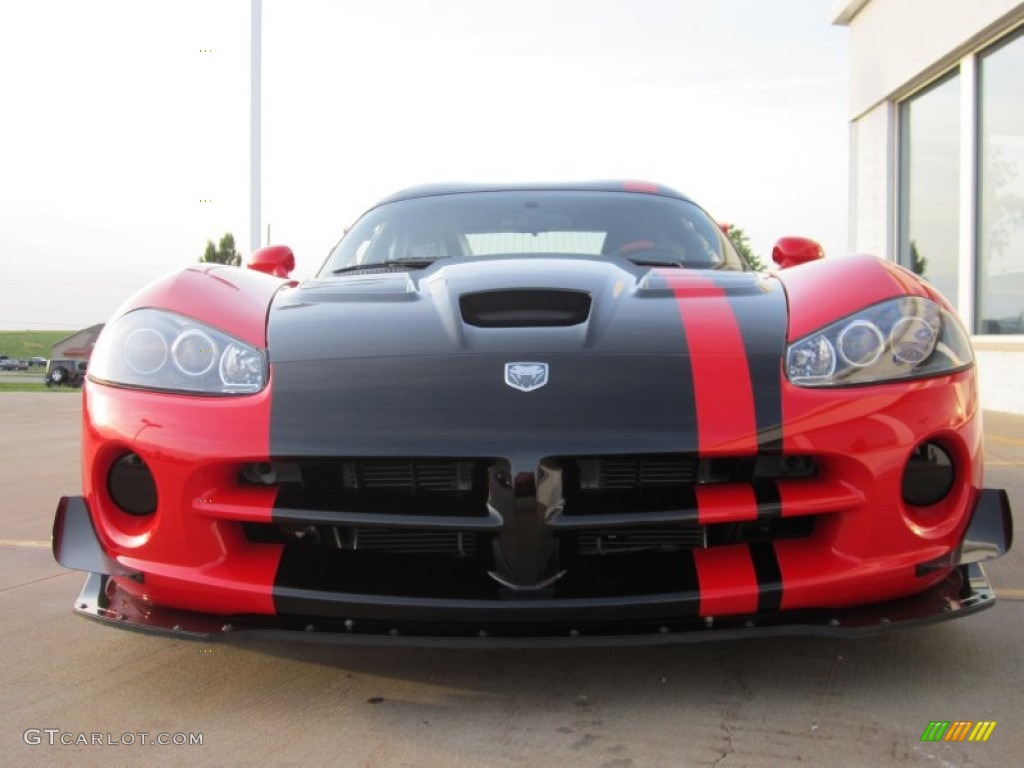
x=320, y=584
x=769, y=502
x=762, y=316
x=769, y=576
x=627, y=388
x=299, y=567
x=687, y=572
x=667, y=315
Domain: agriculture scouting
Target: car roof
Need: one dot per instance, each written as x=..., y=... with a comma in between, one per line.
x=434, y=190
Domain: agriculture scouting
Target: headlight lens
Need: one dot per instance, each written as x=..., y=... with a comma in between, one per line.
x=897, y=339
x=194, y=352
x=155, y=349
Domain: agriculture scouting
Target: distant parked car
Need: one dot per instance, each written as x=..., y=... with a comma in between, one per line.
x=39, y=361
x=13, y=365
x=69, y=372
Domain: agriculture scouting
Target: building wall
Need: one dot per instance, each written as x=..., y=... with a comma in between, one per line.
x=999, y=377
x=897, y=47
x=871, y=175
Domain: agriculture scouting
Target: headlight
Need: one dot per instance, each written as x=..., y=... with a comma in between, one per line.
x=897, y=339
x=155, y=349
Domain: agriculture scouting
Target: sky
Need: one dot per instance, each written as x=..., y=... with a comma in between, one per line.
x=124, y=125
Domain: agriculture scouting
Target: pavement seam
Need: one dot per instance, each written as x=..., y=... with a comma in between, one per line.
x=27, y=543
x=1004, y=439
x=36, y=581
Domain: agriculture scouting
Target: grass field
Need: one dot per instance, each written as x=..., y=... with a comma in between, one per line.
x=22, y=345
x=30, y=386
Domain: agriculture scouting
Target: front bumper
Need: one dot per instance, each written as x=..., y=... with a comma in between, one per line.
x=965, y=591
x=395, y=621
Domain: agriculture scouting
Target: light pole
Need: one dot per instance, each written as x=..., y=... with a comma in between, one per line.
x=255, y=180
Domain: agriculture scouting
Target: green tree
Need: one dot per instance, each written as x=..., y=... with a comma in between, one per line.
x=741, y=243
x=918, y=263
x=223, y=253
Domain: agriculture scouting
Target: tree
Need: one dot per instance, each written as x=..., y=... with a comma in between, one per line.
x=918, y=263
x=1002, y=210
x=741, y=243
x=224, y=253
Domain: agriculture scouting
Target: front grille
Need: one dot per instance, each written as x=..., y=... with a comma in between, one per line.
x=616, y=485
x=401, y=486
x=470, y=527
x=621, y=484
x=617, y=541
x=360, y=539
x=454, y=543
x=635, y=473
x=408, y=476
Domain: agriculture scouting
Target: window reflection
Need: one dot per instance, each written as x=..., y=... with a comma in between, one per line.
x=929, y=227
x=1000, y=281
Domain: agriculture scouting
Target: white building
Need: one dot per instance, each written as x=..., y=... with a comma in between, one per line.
x=937, y=161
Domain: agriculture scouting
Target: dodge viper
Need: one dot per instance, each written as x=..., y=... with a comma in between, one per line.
x=552, y=414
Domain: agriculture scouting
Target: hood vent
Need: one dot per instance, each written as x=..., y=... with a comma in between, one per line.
x=530, y=308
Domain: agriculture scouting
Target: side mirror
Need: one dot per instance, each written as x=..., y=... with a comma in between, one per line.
x=276, y=260
x=790, y=251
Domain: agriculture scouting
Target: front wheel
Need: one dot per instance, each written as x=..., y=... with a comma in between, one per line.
x=57, y=376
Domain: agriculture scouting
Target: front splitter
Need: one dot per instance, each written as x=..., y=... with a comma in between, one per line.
x=966, y=590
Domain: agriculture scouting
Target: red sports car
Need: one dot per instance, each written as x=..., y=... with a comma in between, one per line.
x=533, y=414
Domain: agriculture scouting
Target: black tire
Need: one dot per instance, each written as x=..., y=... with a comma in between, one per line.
x=57, y=376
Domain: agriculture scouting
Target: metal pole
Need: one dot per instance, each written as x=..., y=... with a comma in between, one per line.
x=255, y=180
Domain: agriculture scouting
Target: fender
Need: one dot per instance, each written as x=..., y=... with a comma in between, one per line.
x=814, y=300
x=232, y=299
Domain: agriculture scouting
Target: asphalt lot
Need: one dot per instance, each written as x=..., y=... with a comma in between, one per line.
x=752, y=702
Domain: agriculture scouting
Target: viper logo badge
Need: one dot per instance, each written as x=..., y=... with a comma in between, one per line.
x=526, y=377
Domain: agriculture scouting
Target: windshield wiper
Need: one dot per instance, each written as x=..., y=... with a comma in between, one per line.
x=656, y=262
x=386, y=266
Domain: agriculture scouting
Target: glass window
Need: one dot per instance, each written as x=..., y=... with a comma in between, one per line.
x=646, y=229
x=929, y=225
x=491, y=243
x=1000, y=280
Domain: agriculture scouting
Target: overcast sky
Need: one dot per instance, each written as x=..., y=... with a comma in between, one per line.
x=124, y=126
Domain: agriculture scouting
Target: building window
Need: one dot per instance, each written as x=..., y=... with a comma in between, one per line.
x=1000, y=271
x=929, y=184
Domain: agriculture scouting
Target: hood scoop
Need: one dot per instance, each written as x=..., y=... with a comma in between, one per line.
x=525, y=308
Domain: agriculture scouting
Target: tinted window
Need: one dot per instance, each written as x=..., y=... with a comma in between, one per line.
x=930, y=185
x=647, y=229
x=1001, y=191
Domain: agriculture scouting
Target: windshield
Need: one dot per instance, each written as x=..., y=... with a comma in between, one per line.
x=645, y=229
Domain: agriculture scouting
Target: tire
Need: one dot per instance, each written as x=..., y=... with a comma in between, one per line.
x=57, y=376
